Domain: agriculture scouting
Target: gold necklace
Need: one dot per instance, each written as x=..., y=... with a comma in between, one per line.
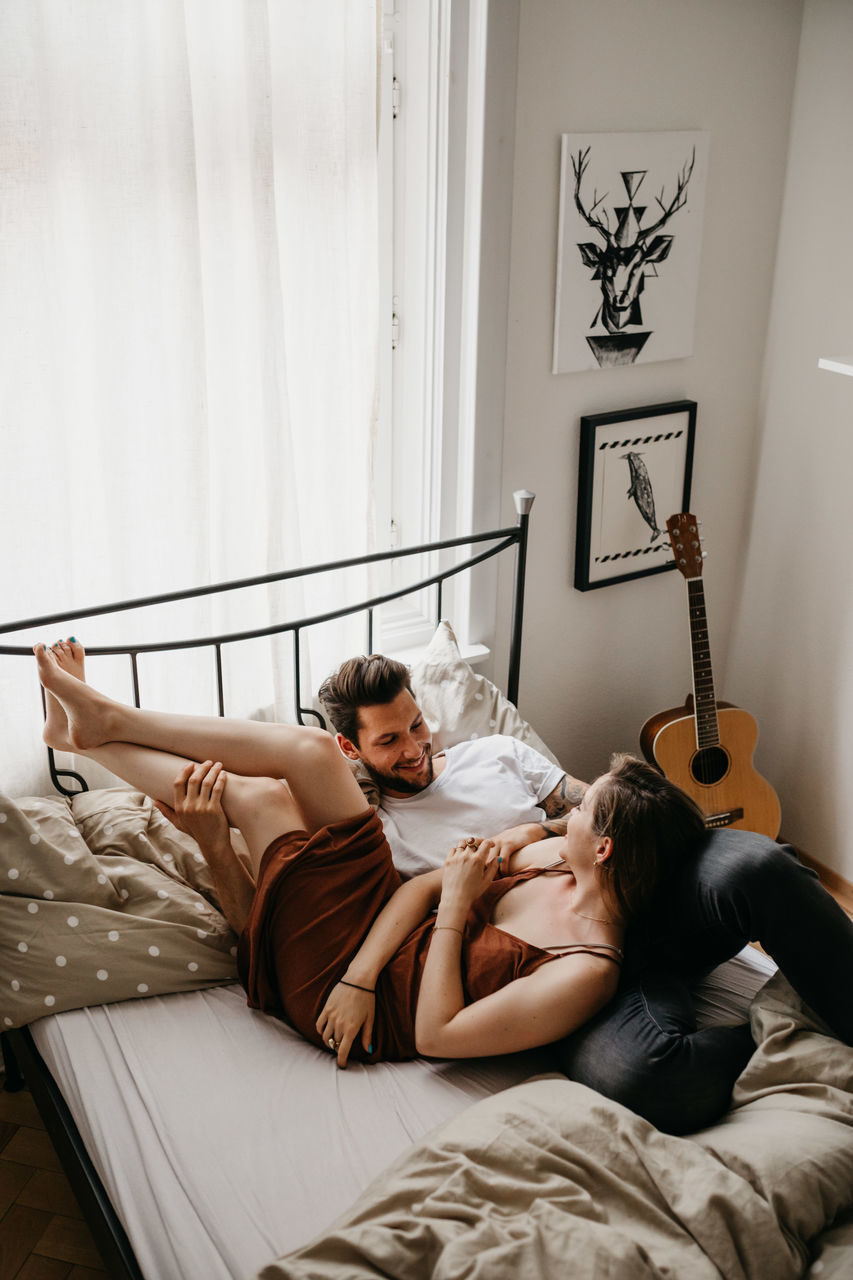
x=597, y=919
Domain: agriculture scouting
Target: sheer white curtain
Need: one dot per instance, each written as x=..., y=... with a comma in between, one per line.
x=188, y=320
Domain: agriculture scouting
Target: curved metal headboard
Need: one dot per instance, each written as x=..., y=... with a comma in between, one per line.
x=515, y=535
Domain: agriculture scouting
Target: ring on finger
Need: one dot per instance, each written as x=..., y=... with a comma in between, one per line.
x=333, y=1044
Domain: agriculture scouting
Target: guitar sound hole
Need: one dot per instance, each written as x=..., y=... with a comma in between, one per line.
x=709, y=766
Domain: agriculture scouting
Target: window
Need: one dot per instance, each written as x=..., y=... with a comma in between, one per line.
x=430, y=155
x=189, y=319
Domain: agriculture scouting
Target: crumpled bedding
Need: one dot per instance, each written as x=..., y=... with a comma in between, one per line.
x=102, y=899
x=550, y=1179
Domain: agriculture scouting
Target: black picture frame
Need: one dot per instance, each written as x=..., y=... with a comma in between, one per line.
x=635, y=471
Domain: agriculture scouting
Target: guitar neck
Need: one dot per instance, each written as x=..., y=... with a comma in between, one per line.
x=707, y=723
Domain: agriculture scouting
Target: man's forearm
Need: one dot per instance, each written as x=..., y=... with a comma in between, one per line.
x=553, y=827
x=234, y=887
x=543, y=848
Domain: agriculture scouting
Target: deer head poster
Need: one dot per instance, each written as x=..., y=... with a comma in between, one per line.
x=628, y=250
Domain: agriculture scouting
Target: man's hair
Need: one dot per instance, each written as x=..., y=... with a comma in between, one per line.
x=361, y=682
x=653, y=825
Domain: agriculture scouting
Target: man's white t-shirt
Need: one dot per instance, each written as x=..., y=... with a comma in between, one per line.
x=487, y=785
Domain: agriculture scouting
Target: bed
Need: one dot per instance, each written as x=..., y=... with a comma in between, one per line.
x=207, y=1140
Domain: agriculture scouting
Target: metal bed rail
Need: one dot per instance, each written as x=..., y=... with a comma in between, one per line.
x=502, y=539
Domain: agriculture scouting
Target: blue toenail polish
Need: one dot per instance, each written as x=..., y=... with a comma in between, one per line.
x=73, y=639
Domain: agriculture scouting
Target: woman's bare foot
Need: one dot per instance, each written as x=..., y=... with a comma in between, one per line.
x=70, y=655
x=78, y=716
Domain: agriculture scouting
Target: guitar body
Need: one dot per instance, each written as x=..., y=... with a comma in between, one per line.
x=706, y=747
x=721, y=779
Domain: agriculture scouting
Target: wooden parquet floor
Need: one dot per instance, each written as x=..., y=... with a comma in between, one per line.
x=42, y=1232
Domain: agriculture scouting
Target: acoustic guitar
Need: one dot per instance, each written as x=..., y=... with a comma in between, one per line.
x=706, y=746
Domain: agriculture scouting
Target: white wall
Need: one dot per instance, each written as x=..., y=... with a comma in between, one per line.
x=597, y=664
x=793, y=641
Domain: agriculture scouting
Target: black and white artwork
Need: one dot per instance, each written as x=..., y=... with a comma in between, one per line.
x=628, y=250
x=635, y=471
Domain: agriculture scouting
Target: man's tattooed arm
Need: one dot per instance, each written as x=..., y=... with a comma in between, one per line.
x=567, y=793
x=516, y=845
x=555, y=828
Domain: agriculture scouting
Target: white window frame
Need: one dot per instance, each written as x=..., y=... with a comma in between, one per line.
x=431, y=167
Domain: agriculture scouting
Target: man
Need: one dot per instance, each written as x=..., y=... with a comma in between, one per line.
x=426, y=800
x=643, y=1049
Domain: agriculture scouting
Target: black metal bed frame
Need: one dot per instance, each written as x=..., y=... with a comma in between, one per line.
x=515, y=535
x=24, y=1065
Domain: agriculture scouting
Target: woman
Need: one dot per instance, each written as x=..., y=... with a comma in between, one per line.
x=460, y=962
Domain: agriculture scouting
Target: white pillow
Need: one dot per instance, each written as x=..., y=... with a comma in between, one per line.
x=459, y=704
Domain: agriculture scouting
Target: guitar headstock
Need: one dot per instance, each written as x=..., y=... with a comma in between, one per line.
x=683, y=532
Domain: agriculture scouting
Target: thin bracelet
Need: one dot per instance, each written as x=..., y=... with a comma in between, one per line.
x=451, y=927
x=370, y=990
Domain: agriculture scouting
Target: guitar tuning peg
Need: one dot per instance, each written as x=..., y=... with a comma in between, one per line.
x=704, y=555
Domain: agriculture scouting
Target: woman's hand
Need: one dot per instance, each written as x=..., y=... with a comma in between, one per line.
x=197, y=808
x=348, y=1011
x=469, y=869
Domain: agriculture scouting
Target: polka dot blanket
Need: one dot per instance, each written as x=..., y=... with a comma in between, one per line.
x=102, y=899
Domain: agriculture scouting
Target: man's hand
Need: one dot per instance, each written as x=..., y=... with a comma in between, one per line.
x=347, y=1012
x=197, y=806
x=508, y=842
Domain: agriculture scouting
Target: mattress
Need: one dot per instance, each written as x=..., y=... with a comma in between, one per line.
x=224, y=1140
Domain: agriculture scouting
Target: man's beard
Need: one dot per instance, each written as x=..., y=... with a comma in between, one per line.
x=397, y=782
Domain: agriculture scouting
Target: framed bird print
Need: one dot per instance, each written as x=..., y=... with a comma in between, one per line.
x=635, y=472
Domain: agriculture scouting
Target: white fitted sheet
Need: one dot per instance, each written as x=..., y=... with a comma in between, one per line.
x=225, y=1140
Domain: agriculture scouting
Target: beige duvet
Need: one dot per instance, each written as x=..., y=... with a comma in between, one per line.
x=549, y=1180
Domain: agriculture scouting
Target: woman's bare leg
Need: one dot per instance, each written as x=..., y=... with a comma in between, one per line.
x=260, y=808
x=309, y=759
